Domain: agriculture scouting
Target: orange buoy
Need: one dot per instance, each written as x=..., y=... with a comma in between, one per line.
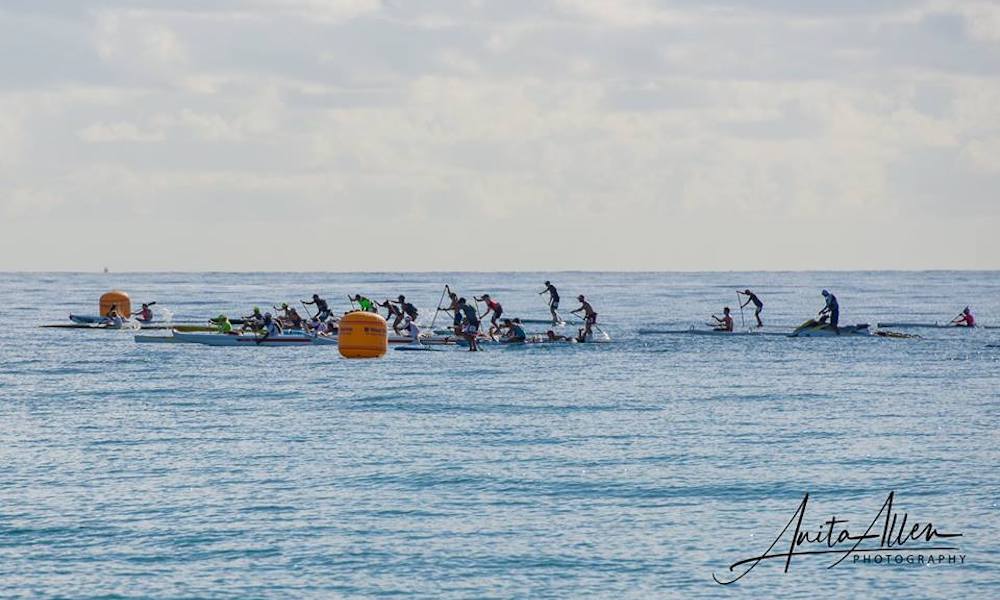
x=119, y=301
x=362, y=335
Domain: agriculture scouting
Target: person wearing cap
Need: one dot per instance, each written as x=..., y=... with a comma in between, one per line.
x=270, y=326
x=553, y=301
x=589, y=317
x=492, y=306
x=222, y=324
x=966, y=319
x=470, y=330
x=752, y=298
x=253, y=321
x=322, y=308
x=831, y=310
x=725, y=323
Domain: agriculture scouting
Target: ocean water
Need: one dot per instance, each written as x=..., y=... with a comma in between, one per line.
x=635, y=469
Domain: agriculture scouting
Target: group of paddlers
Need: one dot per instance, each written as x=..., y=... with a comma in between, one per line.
x=402, y=316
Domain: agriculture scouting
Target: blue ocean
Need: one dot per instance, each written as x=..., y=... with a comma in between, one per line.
x=640, y=468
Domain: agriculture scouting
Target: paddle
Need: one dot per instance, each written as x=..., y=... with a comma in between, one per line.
x=440, y=300
x=595, y=325
x=306, y=308
x=739, y=300
x=352, y=302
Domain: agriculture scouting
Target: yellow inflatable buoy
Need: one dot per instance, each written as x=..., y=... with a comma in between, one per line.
x=362, y=335
x=119, y=301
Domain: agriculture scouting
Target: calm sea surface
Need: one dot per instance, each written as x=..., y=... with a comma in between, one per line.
x=632, y=469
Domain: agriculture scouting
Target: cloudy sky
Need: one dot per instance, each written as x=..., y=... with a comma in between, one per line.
x=497, y=135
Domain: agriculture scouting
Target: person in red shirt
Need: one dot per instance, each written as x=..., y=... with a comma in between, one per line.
x=497, y=310
x=965, y=319
x=725, y=323
x=146, y=314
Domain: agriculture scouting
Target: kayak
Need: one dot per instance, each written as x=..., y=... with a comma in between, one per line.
x=709, y=332
x=813, y=328
x=933, y=326
x=99, y=320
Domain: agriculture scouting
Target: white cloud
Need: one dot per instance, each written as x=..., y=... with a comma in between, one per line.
x=655, y=129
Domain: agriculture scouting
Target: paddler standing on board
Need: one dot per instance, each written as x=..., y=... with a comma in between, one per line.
x=725, y=323
x=553, y=301
x=492, y=306
x=456, y=314
x=392, y=313
x=752, y=298
x=322, y=308
x=832, y=309
x=364, y=303
x=406, y=309
x=589, y=318
x=471, y=328
x=965, y=319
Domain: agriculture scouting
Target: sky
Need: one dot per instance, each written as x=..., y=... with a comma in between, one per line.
x=405, y=135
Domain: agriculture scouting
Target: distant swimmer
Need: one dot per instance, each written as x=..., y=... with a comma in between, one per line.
x=752, y=298
x=831, y=310
x=322, y=308
x=964, y=319
x=551, y=336
x=589, y=318
x=146, y=313
x=553, y=301
x=470, y=330
x=364, y=303
x=222, y=324
x=492, y=306
x=725, y=323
